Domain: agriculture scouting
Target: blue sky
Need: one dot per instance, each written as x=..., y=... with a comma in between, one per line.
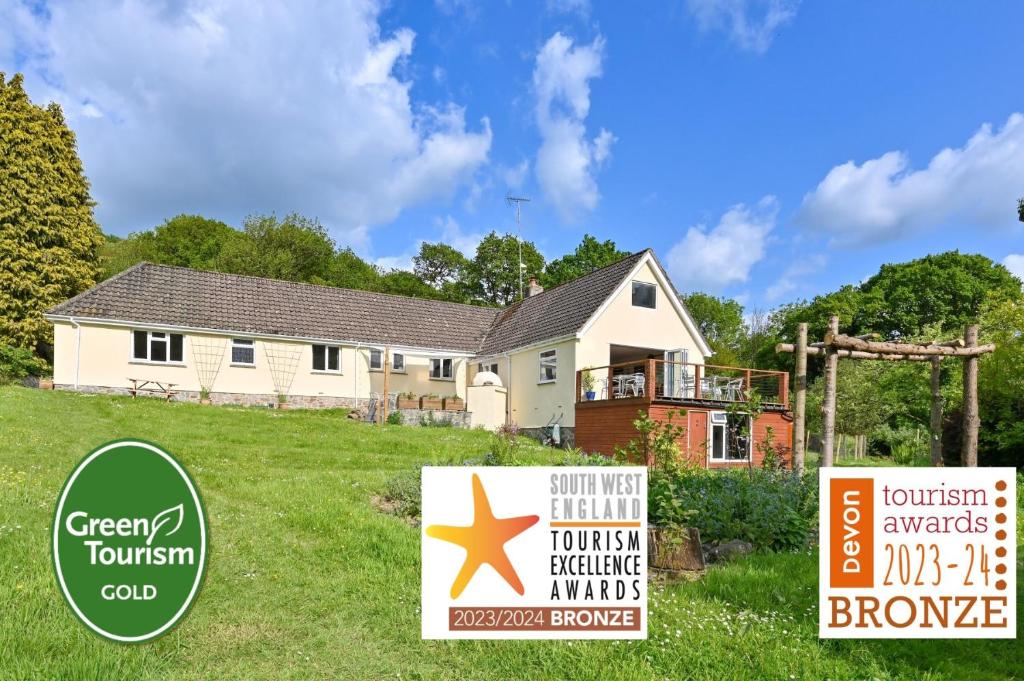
x=766, y=150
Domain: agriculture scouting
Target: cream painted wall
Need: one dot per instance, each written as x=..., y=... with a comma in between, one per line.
x=106, y=361
x=532, y=403
x=623, y=324
x=487, y=404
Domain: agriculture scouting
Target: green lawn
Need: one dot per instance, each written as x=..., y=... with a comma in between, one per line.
x=306, y=579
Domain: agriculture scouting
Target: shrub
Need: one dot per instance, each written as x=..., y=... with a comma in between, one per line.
x=770, y=509
x=17, y=363
x=404, y=491
x=395, y=418
x=429, y=421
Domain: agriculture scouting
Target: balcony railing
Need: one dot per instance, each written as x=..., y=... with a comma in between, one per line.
x=658, y=380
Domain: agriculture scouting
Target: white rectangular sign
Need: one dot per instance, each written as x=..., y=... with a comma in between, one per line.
x=918, y=553
x=534, y=552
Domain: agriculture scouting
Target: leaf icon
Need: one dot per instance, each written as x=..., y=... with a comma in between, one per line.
x=163, y=518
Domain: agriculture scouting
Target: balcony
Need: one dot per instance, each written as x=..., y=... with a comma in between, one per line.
x=682, y=383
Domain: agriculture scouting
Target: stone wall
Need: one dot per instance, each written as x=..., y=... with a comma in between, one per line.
x=415, y=417
x=237, y=399
x=566, y=433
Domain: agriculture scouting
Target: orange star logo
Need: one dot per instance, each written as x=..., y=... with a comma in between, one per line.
x=484, y=541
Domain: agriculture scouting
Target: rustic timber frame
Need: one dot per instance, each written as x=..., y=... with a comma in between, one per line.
x=837, y=345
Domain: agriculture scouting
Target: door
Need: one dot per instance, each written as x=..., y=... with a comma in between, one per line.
x=674, y=369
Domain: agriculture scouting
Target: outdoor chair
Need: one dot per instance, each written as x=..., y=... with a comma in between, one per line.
x=734, y=389
x=637, y=383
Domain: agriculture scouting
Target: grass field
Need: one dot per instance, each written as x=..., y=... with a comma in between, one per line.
x=307, y=580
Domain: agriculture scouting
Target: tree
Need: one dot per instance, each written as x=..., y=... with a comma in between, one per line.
x=348, y=270
x=494, y=271
x=402, y=283
x=721, y=322
x=946, y=291
x=1001, y=384
x=590, y=255
x=184, y=240
x=295, y=248
x=1020, y=209
x=440, y=265
x=49, y=240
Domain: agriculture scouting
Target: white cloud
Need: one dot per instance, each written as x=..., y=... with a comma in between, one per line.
x=567, y=161
x=516, y=175
x=452, y=234
x=227, y=107
x=581, y=7
x=712, y=259
x=751, y=24
x=1015, y=263
x=881, y=199
x=790, y=279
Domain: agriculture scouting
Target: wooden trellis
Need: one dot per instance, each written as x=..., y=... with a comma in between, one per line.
x=837, y=345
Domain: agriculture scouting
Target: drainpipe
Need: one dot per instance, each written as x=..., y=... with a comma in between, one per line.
x=78, y=348
x=508, y=390
x=355, y=370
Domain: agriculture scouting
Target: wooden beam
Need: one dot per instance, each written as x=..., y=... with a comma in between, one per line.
x=936, y=416
x=969, y=445
x=840, y=341
x=828, y=405
x=852, y=354
x=799, y=418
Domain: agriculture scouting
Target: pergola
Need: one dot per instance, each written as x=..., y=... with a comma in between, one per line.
x=836, y=345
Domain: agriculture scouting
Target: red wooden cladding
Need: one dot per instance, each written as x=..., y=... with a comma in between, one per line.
x=603, y=426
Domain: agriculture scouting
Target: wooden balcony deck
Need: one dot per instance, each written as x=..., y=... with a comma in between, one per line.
x=657, y=381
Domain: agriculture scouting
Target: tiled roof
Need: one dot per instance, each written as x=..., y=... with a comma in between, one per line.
x=557, y=312
x=178, y=296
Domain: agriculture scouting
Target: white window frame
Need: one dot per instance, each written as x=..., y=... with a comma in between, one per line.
x=551, y=359
x=720, y=419
x=327, y=359
x=166, y=340
x=633, y=286
x=397, y=362
x=439, y=361
x=247, y=343
x=487, y=366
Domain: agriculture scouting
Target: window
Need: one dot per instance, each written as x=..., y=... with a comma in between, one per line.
x=243, y=351
x=157, y=346
x=489, y=366
x=548, y=366
x=377, y=361
x=644, y=295
x=327, y=358
x=730, y=441
x=441, y=369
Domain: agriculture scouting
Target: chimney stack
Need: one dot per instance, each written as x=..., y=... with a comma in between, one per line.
x=534, y=288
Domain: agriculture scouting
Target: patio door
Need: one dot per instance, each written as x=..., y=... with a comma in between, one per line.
x=674, y=379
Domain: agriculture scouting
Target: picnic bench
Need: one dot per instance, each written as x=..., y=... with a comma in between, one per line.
x=139, y=385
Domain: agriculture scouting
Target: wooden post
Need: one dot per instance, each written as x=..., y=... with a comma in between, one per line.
x=936, y=420
x=650, y=380
x=697, y=393
x=579, y=385
x=387, y=375
x=799, y=417
x=828, y=406
x=969, y=447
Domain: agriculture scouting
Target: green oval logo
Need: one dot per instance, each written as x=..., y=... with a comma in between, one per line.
x=129, y=541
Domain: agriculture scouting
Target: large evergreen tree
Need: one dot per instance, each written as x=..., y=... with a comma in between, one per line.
x=49, y=241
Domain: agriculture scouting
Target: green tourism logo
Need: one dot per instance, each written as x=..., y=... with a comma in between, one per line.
x=129, y=541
